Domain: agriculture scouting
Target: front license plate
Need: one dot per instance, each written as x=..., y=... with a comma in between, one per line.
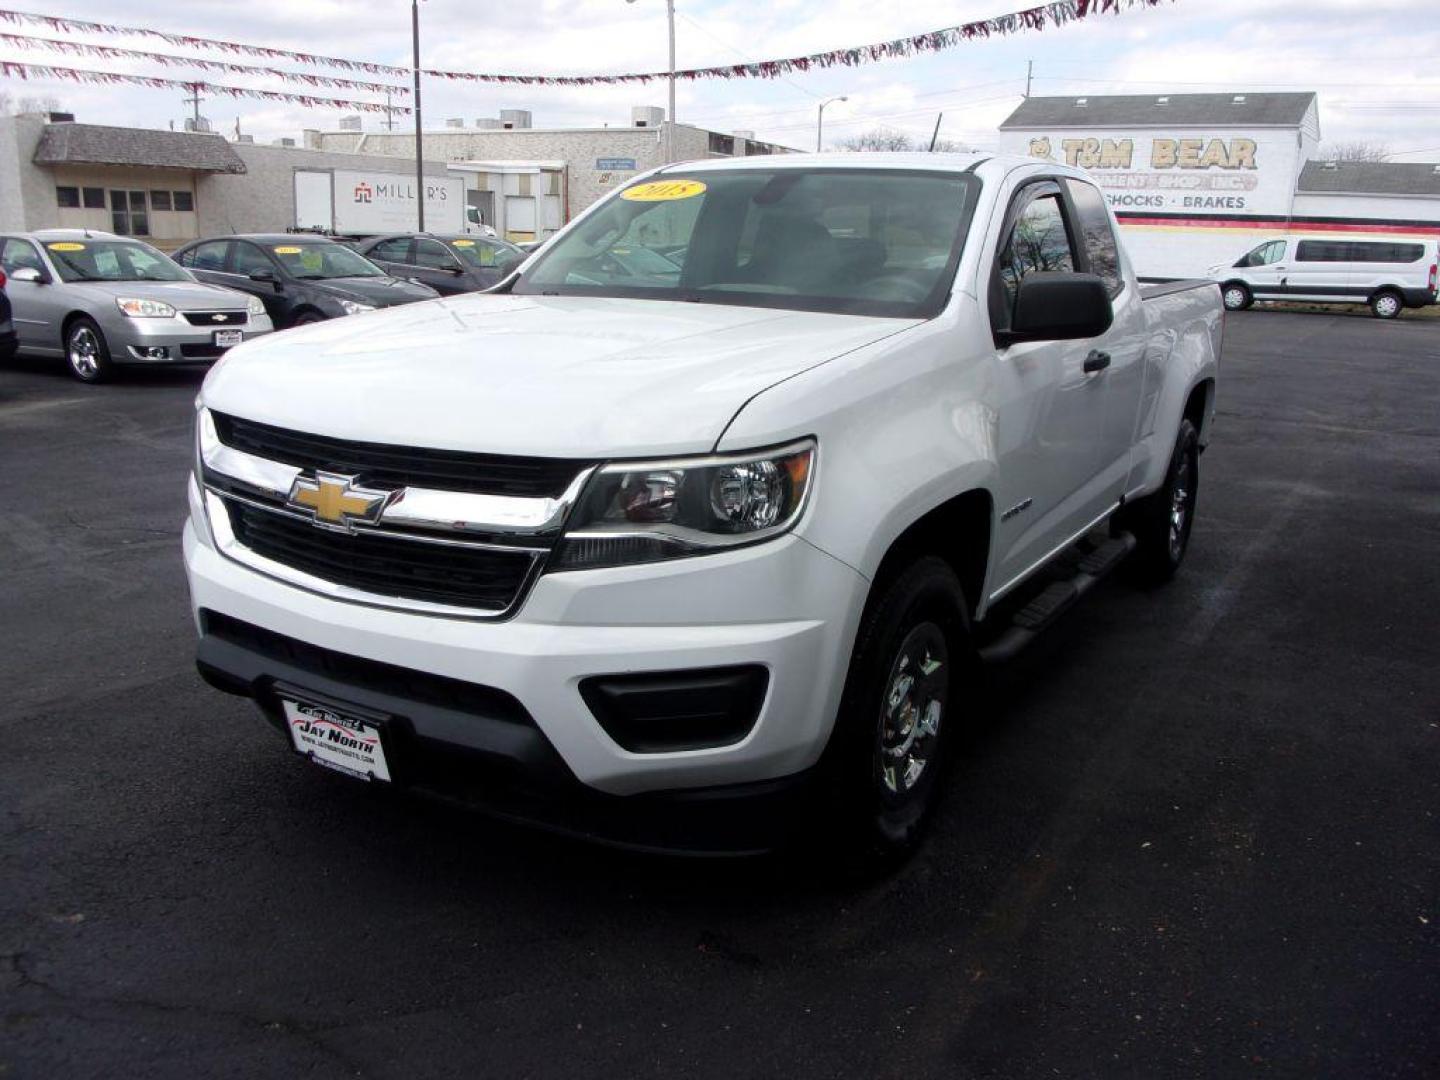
x=226, y=338
x=330, y=738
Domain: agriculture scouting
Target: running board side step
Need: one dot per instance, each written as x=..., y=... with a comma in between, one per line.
x=1041, y=612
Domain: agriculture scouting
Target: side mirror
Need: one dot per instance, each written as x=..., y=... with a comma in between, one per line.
x=1059, y=306
x=261, y=275
x=30, y=274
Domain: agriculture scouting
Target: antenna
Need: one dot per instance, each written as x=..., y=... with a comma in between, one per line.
x=935, y=135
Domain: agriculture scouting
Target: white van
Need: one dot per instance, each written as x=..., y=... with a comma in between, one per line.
x=1387, y=274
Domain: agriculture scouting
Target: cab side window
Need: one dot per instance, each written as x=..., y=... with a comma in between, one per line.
x=249, y=259
x=1093, y=222
x=1039, y=240
x=207, y=256
x=396, y=249
x=434, y=255
x=19, y=255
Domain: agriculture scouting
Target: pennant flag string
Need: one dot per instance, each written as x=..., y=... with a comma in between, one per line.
x=11, y=70
x=1055, y=14
x=111, y=52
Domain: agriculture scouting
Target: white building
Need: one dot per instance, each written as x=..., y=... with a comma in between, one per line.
x=1194, y=179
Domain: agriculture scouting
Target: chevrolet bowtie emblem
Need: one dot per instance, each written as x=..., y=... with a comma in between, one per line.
x=219, y=317
x=336, y=502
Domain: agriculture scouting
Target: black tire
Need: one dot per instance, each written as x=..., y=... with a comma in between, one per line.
x=1161, y=538
x=87, y=354
x=886, y=757
x=1236, y=296
x=1387, y=304
x=305, y=318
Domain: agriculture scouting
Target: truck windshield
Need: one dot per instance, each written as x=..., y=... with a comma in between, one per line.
x=327, y=260
x=856, y=241
x=110, y=260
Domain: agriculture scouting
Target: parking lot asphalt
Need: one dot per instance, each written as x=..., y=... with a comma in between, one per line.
x=1194, y=833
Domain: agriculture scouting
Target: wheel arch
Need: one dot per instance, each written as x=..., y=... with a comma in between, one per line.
x=1199, y=407
x=960, y=531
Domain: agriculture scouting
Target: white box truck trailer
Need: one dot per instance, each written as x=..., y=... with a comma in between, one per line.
x=365, y=203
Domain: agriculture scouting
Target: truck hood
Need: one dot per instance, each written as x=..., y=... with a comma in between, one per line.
x=181, y=295
x=528, y=375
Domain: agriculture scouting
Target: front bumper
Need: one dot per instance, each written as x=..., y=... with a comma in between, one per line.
x=783, y=605
x=172, y=341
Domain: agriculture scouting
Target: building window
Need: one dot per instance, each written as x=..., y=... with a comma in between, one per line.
x=68, y=197
x=184, y=200
x=139, y=221
x=94, y=198
x=159, y=200
x=721, y=144
x=119, y=213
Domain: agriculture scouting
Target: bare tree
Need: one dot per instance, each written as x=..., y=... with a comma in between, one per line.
x=1355, y=150
x=47, y=104
x=878, y=139
x=950, y=146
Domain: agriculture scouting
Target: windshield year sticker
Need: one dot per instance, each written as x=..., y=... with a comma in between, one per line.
x=663, y=190
x=287, y=251
x=66, y=246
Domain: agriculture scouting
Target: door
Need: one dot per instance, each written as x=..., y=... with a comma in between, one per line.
x=1121, y=349
x=1051, y=440
x=436, y=266
x=1264, y=267
x=36, y=308
x=246, y=266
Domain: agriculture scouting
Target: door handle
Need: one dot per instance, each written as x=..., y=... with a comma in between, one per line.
x=1096, y=361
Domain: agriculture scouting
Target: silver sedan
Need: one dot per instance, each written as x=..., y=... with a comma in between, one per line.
x=100, y=300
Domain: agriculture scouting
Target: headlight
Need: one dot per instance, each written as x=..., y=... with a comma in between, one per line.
x=352, y=308
x=650, y=511
x=137, y=308
x=253, y=306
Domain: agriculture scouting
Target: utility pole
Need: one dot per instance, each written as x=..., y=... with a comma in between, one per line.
x=935, y=135
x=1029, y=71
x=419, y=159
x=389, y=113
x=194, y=99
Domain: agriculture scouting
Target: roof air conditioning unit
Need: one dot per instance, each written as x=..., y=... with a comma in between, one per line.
x=515, y=119
x=455, y=122
x=646, y=116
x=350, y=123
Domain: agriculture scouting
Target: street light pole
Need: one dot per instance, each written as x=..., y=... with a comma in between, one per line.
x=670, y=127
x=820, y=120
x=667, y=145
x=419, y=159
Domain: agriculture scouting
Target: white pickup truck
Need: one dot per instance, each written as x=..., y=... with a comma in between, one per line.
x=703, y=520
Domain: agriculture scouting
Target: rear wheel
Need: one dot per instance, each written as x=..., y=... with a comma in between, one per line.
x=1386, y=305
x=1236, y=296
x=87, y=352
x=1162, y=522
x=897, y=719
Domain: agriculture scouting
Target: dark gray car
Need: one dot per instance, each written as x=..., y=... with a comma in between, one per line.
x=299, y=278
x=447, y=262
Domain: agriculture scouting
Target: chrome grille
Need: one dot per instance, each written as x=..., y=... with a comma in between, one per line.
x=383, y=465
x=435, y=549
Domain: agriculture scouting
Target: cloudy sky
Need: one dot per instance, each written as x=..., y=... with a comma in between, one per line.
x=1373, y=62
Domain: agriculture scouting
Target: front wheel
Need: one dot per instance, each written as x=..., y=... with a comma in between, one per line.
x=898, y=718
x=1162, y=522
x=87, y=352
x=1236, y=296
x=305, y=318
x=1386, y=305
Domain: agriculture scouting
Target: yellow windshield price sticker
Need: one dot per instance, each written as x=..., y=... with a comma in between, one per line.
x=463, y=243
x=287, y=251
x=663, y=191
x=66, y=246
